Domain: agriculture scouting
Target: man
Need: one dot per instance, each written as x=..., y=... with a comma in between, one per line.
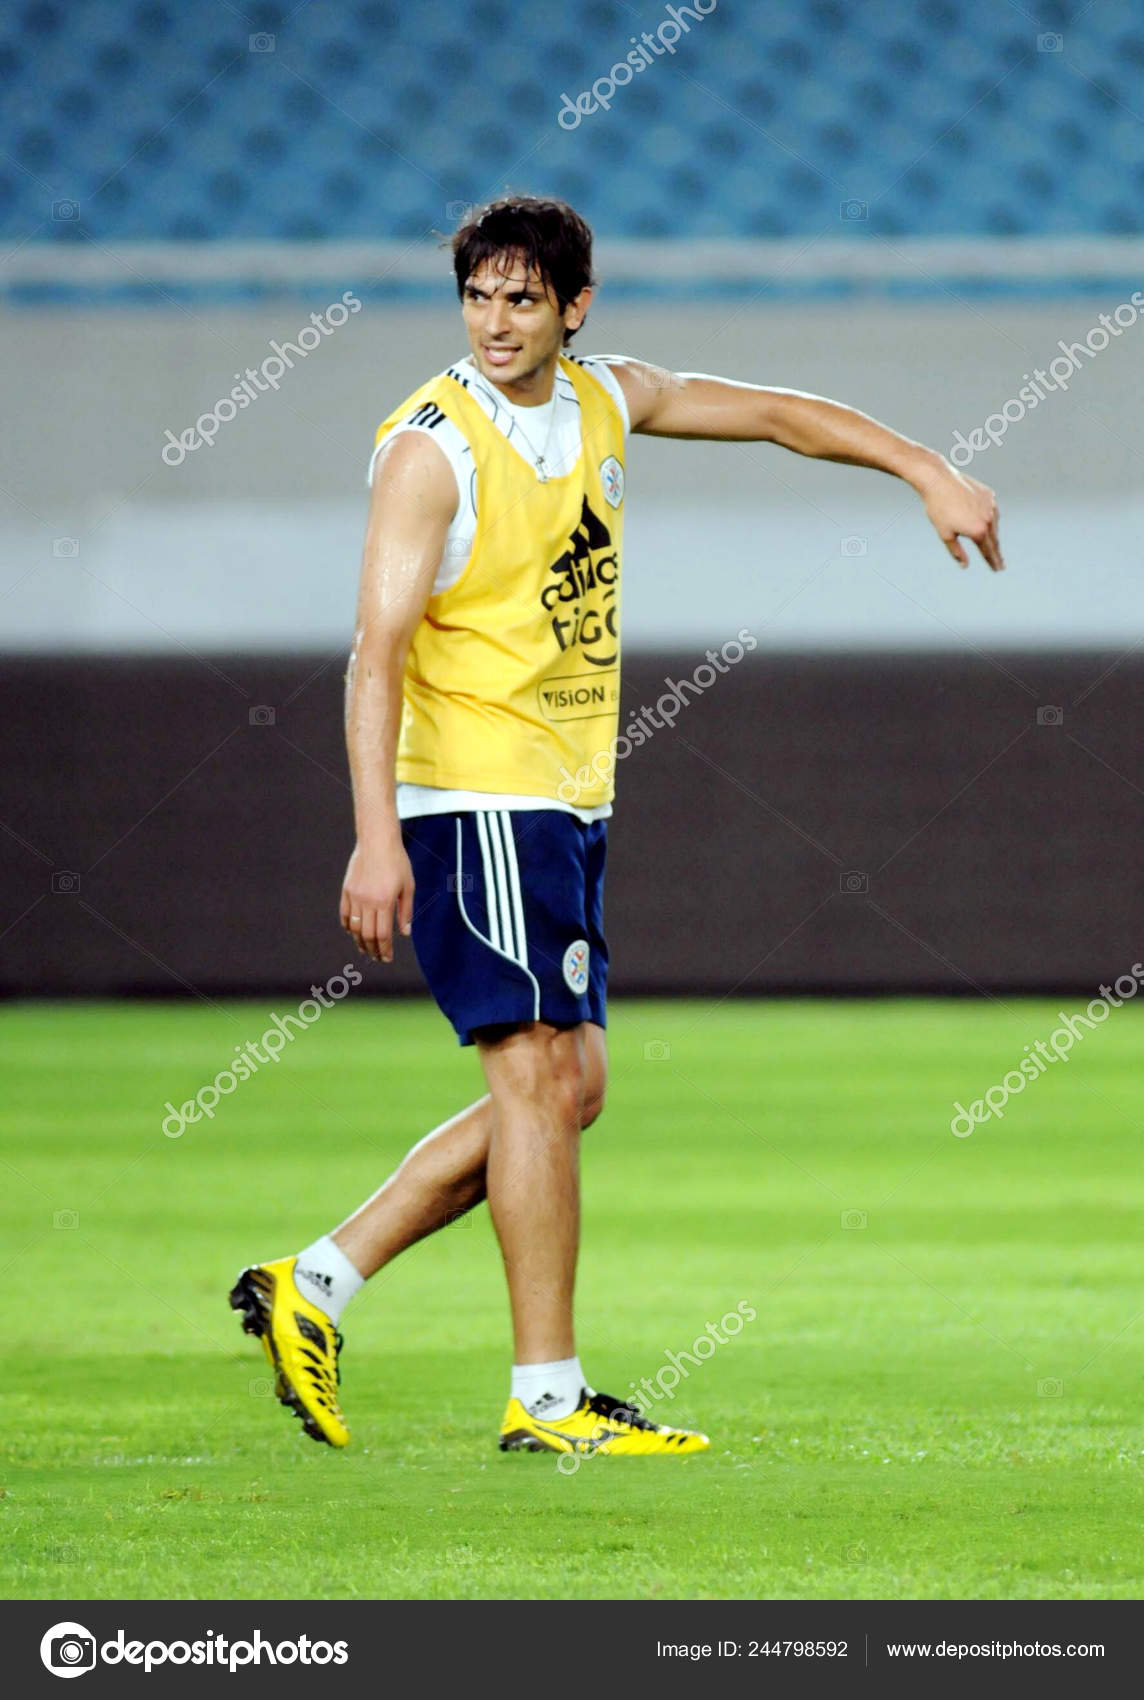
x=485, y=672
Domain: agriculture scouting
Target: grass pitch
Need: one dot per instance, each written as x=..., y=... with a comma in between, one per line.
x=939, y=1396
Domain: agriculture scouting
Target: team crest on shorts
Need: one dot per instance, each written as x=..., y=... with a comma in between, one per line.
x=612, y=475
x=576, y=966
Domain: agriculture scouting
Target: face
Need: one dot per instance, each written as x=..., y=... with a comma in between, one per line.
x=516, y=327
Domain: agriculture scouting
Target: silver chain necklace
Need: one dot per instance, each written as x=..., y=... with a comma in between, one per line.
x=539, y=460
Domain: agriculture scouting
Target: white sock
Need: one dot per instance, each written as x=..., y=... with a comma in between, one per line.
x=548, y=1390
x=324, y=1275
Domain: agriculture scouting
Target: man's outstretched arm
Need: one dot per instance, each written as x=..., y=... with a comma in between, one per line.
x=692, y=405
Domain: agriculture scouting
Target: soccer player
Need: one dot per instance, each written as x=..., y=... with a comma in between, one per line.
x=482, y=690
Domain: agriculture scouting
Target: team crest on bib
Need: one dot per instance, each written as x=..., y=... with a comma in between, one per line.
x=612, y=477
x=576, y=967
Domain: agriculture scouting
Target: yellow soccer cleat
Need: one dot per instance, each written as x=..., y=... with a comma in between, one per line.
x=598, y=1424
x=301, y=1345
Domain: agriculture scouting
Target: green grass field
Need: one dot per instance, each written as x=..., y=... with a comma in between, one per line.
x=942, y=1402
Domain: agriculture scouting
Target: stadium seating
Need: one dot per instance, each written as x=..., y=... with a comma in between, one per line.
x=379, y=119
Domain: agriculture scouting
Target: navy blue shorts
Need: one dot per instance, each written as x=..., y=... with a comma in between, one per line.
x=508, y=916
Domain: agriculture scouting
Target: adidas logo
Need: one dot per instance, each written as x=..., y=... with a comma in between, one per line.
x=540, y=1405
x=316, y=1278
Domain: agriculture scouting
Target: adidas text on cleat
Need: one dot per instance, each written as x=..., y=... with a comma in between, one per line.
x=598, y=1424
x=301, y=1345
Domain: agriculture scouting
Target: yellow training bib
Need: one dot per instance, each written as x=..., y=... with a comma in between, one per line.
x=513, y=676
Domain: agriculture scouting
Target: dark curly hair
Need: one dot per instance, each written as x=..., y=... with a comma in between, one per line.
x=549, y=237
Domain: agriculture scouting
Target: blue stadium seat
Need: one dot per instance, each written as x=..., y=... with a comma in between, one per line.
x=372, y=119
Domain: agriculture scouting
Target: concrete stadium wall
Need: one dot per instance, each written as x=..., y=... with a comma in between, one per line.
x=253, y=544
x=959, y=823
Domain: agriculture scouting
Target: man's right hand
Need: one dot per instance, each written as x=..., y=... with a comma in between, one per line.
x=378, y=882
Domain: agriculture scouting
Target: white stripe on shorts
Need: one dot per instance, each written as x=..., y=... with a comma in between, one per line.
x=493, y=943
x=492, y=905
x=513, y=869
x=491, y=824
